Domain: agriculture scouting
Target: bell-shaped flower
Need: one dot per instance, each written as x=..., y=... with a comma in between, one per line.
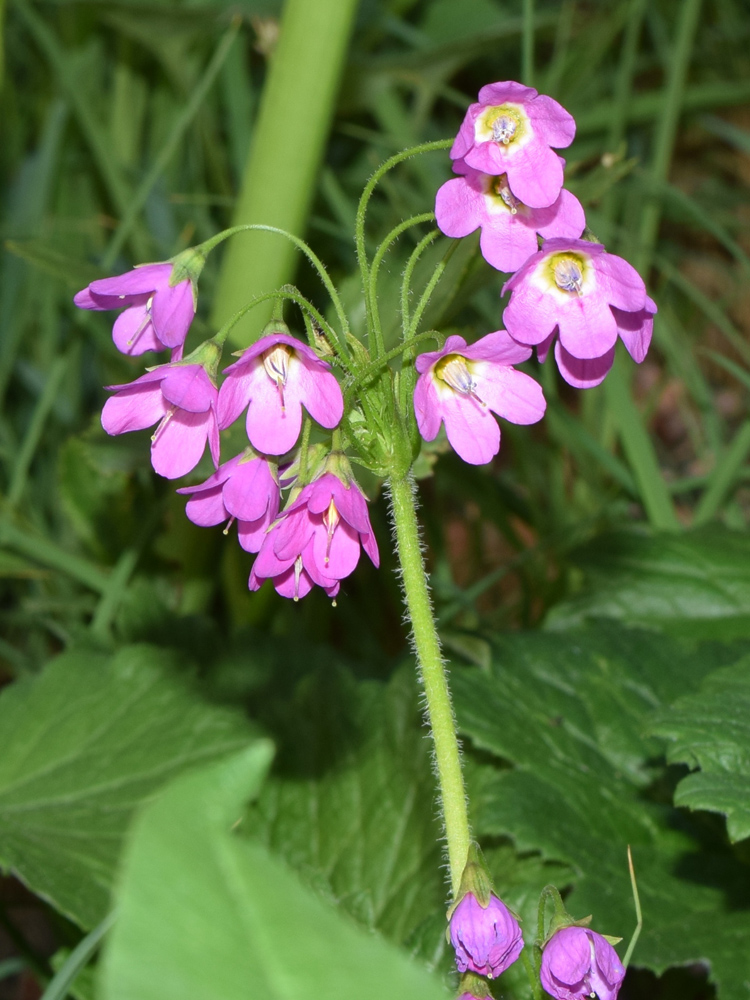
x=591, y=297
x=274, y=379
x=578, y=963
x=509, y=228
x=513, y=130
x=244, y=489
x=317, y=540
x=487, y=939
x=462, y=386
x=181, y=399
x=159, y=310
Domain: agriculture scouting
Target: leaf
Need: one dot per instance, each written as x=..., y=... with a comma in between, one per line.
x=205, y=913
x=84, y=744
x=710, y=730
x=696, y=584
x=569, y=711
x=351, y=804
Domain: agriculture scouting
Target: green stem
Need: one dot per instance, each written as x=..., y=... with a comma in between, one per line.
x=434, y=678
x=527, y=54
x=437, y=274
x=288, y=143
x=377, y=260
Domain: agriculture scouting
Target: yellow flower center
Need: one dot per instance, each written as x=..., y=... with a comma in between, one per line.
x=276, y=364
x=454, y=371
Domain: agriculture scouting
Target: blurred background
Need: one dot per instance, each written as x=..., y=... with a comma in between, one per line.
x=127, y=130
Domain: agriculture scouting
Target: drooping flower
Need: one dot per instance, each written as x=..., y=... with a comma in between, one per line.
x=487, y=939
x=317, y=539
x=578, y=963
x=182, y=399
x=481, y=201
x=591, y=297
x=276, y=376
x=461, y=385
x=244, y=489
x=511, y=131
x=158, y=313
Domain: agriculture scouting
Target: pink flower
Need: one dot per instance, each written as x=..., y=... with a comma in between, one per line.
x=591, y=297
x=317, y=540
x=182, y=398
x=276, y=377
x=460, y=385
x=245, y=489
x=509, y=228
x=510, y=131
x=578, y=963
x=487, y=939
x=158, y=313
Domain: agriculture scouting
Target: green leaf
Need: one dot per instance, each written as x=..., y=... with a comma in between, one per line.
x=351, y=803
x=711, y=731
x=84, y=744
x=205, y=913
x=696, y=584
x=569, y=712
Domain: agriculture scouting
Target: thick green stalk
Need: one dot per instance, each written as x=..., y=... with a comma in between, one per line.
x=287, y=147
x=434, y=678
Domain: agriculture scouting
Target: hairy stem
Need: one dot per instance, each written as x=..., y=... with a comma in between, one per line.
x=434, y=678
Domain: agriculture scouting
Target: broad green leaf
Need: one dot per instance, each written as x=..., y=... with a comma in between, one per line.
x=696, y=584
x=206, y=913
x=84, y=744
x=710, y=730
x=570, y=711
x=351, y=803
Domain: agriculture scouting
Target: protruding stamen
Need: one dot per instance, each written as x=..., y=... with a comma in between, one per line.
x=163, y=423
x=331, y=520
x=502, y=189
x=503, y=129
x=144, y=324
x=276, y=363
x=453, y=370
x=297, y=575
x=568, y=275
x=228, y=525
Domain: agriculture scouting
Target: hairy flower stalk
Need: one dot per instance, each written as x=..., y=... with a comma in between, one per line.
x=434, y=678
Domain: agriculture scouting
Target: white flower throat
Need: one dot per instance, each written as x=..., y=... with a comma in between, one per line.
x=503, y=129
x=276, y=364
x=331, y=520
x=568, y=275
x=453, y=370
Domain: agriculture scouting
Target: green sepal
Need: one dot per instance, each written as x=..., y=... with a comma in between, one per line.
x=476, y=985
x=188, y=264
x=475, y=880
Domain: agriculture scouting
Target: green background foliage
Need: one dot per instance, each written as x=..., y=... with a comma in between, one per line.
x=591, y=584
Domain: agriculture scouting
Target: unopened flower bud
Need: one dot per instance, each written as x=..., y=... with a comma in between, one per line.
x=578, y=963
x=487, y=938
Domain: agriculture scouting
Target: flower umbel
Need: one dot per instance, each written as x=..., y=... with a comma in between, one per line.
x=274, y=378
x=510, y=131
x=591, y=297
x=182, y=399
x=459, y=385
x=578, y=963
x=158, y=313
x=487, y=939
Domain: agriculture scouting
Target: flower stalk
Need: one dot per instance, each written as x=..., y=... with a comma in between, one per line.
x=434, y=678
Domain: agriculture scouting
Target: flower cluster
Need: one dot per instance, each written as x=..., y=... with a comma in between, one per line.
x=510, y=186
x=317, y=537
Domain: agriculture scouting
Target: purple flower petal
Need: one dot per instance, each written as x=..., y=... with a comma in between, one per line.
x=635, y=329
x=133, y=332
x=498, y=347
x=251, y=491
x=173, y=310
x=472, y=430
x=133, y=409
x=459, y=208
x=141, y=280
x=583, y=373
x=178, y=443
x=189, y=387
x=206, y=508
x=511, y=394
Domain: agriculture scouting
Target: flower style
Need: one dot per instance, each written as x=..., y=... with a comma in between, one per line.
x=317, y=540
x=487, y=939
x=480, y=201
x=510, y=131
x=158, y=313
x=591, y=297
x=578, y=963
x=276, y=377
x=245, y=489
x=460, y=385
x=182, y=398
